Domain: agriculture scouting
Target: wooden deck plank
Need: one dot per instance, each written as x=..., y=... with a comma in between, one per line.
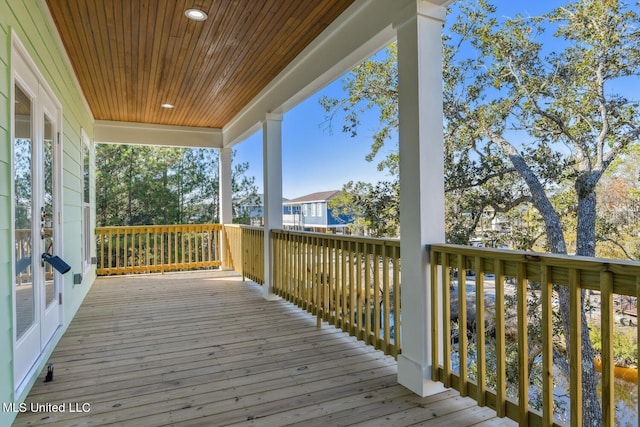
x=372, y=411
x=206, y=349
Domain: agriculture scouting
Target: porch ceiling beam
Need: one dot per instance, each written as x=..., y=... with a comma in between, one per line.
x=111, y=132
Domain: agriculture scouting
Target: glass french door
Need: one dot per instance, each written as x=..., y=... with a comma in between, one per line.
x=36, y=171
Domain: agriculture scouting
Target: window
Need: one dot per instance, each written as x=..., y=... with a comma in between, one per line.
x=304, y=210
x=319, y=209
x=86, y=201
x=313, y=209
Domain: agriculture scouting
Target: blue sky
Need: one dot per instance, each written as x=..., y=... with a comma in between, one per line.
x=316, y=158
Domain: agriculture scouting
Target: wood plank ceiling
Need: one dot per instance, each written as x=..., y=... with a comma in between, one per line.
x=131, y=56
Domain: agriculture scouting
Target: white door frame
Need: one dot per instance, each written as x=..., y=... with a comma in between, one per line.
x=29, y=349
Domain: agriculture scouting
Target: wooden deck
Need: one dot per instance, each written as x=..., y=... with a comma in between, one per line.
x=205, y=349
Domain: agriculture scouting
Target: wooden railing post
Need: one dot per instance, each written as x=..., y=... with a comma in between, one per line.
x=501, y=357
x=523, y=346
x=606, y=326
x=547, y=345
x=575, y=347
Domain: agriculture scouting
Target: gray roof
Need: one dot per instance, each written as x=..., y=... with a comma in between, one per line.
x=321, y=196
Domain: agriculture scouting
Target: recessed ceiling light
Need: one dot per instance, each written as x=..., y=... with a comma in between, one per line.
x=195, y=14
x=167, y=105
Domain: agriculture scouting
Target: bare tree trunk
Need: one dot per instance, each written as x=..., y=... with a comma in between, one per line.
x=586, y=246
x=591, y=409
x=586, y=230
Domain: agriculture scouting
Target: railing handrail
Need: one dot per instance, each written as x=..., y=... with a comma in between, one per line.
x=586, y=263
x=158, y=226
x=341, y=237
x=625, y=271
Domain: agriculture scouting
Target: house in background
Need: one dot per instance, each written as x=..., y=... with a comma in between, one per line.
x=312, y=213
x=251, y=209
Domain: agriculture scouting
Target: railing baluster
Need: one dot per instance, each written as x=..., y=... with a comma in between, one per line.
x=606, y=325
x=162, y=233
x=435, y=320
x=140, y=255
x=481, y=366
x=287, y=275
x=191, y=242
x=314, y=280
x=308, y=295
x=396, y=300
x=101, y=258
x=360, y=288
x=446, y=320
x=343, y=283
x=148, y=261
x=523, y=346
x=386, y=307
x=367, y=291
x=283, y=263
x=204, y=255
x=575, y=348
x=118, y=252
x=462, y=326
x=547, y=345
x=328, y=279
x=352, y=288
x=376, y=294
x=501, y=358
x=243, y=248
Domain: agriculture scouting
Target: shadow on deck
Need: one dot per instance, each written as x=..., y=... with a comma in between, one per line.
x=205, y=349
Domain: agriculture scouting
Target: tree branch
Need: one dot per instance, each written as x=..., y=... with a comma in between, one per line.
x=482, y=181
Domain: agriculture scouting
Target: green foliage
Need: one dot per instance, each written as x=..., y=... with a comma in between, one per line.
x=144, y=185
x=374, y=207
x=625, y=346
x=618, y=226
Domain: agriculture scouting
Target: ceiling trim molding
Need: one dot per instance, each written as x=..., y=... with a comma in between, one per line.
x=112, y=132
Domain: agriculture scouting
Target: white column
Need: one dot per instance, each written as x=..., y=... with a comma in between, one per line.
x=226, y=194
x=272, y=152
x=421, y=184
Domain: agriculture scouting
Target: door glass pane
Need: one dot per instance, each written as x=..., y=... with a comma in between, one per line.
x=48, y=206
x=23, y=214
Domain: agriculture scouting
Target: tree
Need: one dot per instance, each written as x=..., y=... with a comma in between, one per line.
x=245, y=192
x=618, y=226
x=375, y=208
x=142, y=185
x=526, y=124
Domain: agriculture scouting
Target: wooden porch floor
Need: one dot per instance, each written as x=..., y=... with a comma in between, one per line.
x=205, y=349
